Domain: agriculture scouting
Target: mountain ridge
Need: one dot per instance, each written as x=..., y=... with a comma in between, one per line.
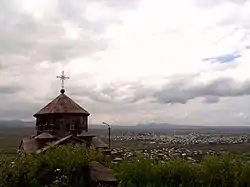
x=146, y=126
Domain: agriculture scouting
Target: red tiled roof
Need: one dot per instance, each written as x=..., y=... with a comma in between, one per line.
x=44, y=135
x=101, y=173
x=60, y=142
x=61, y=105
x=29, y=145
x=85, y=134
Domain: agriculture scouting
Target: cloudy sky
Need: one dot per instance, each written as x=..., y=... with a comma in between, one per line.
x=129, y=61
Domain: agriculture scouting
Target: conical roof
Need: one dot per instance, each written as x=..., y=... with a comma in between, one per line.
x=62, y=105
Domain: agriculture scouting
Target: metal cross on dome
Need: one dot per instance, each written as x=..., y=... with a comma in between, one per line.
x=62, y=77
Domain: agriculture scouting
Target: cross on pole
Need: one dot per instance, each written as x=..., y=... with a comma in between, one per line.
x=62, y=77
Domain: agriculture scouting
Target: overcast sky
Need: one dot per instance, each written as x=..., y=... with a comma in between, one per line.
x=129, y=61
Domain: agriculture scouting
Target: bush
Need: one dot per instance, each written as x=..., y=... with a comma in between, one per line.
x=58, y=166
x=212, y=171
x=62, y=167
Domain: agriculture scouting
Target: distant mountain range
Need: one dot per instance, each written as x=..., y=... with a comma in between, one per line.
x=16, y=123
x=147, y=126
x=172, y=127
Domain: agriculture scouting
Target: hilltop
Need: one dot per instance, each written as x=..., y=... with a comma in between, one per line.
x=141, y=126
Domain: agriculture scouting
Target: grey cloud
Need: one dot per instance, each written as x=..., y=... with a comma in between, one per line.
x=45, y=42
x=212, y=3
x=37, y=40
x=122, y=4
x=14, y=27
x=19, y=109
x=65, y=50
x=182, y=91
x=9, y=89
x=90, y=92
x=1, y=65
x=26, y=41
x=75, y=10
x=178, y=90
x=43, y=39
x=105, y=95
x=211, y=99
x=128, y=92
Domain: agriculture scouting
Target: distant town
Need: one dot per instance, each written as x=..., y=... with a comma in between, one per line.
x=156, y=141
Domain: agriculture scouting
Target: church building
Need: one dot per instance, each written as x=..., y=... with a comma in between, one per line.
x=60, y=122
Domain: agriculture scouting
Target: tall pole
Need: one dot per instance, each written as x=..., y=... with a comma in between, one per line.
x=109, y=131
x=109, y=138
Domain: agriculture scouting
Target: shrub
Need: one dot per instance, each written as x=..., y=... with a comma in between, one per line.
x=53, y=167
x=63, y=166
x=212, y=171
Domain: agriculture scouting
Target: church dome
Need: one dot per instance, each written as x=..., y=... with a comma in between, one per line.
x=62, y=105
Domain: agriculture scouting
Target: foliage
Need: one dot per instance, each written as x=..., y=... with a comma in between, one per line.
x=62, y=167
x=59, y=167
x=212, y=171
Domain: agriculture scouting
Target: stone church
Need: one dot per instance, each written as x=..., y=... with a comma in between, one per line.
x=61, y=121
